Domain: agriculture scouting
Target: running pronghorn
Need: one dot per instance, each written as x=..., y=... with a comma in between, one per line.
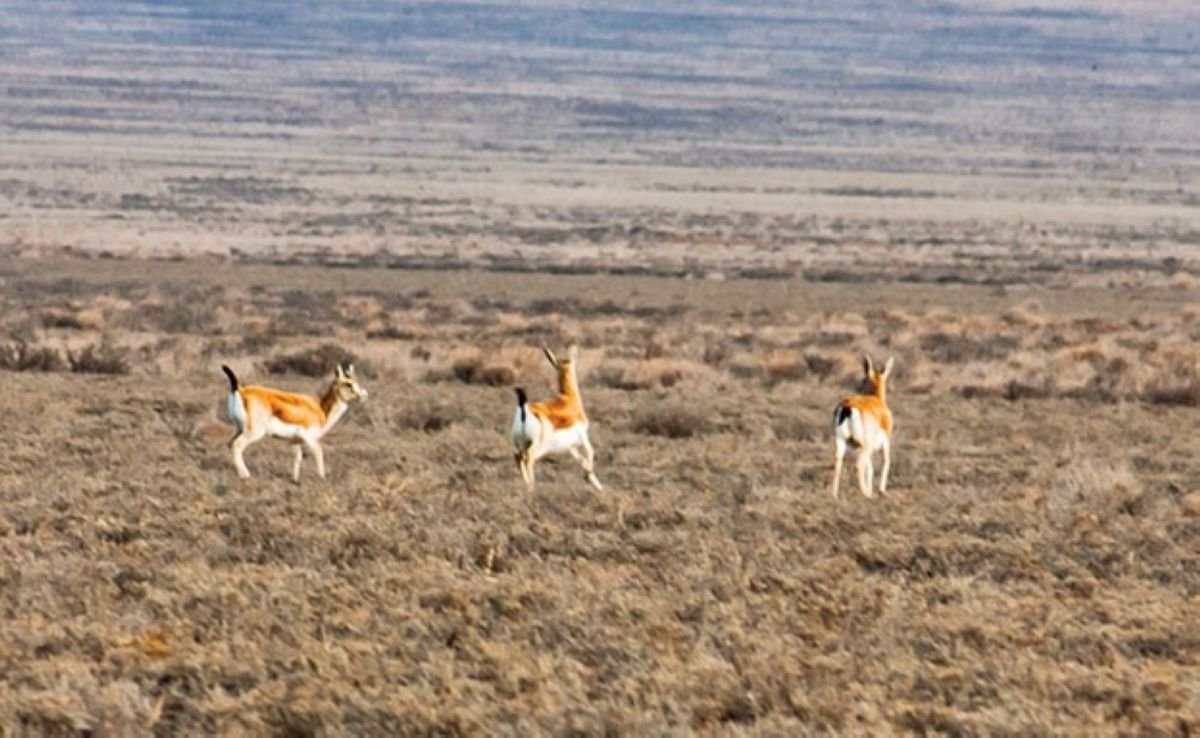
x=302, y=419
x=554, y=426
x=864, y=422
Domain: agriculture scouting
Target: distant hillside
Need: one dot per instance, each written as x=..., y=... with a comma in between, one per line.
x=724, y=75
x=545, y=115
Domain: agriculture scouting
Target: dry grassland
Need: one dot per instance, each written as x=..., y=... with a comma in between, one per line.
x=728, y=204
x=1033, y=570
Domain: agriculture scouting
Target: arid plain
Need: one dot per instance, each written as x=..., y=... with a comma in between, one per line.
x=726, y=207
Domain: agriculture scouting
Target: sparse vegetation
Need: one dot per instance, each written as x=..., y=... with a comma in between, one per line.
x=718, y=459
x=318, y=361
x=474, y=370
x=725, y=248
x=655, y=373
x=670, y=420
x=19, y=356
x=99, y=359
x=427, y=416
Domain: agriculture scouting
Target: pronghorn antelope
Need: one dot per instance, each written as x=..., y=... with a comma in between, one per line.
x=864, y=422
x=258, y=412
x=554, y=426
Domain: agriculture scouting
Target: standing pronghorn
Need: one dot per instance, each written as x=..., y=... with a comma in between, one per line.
x=864, y=422
x=258, y=412
x=558, y=425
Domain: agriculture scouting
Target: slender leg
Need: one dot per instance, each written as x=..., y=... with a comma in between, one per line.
x=589, y=454
x=527, y=467
x=887, y=464
x=839, y=455
x=861, y=460
x=314, y=448
x=525, y=441
x=527, y=470
x=299, y=453
x=870, y=475
x=525, y=464
x=585, y=459
x=239, y=445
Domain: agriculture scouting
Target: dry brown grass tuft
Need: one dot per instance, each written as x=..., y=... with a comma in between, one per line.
x=86, y=319
x=427, y=416
x=102, y=358
x=838, y=367
x=318, y=361
x=359, y=310
x=475, y=370
x=1029, y=314
x=1177, y=383
x=670, y=419
x=1089, y=492
x=635, y=375
x=957, y=348
x=785, y=366
x=1184, y=282
x=19, y=356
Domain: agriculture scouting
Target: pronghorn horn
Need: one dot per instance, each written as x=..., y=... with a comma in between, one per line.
x=550, y=355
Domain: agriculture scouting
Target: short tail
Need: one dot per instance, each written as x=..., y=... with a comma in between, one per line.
x=845, y=417
x=522, y=400
x=841, y=415
x=233, y=380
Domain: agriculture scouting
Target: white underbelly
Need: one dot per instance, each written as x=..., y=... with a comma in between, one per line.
x=280, y=429
x=563, y=439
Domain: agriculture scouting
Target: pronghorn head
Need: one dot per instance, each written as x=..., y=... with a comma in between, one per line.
x=877, y=381
x=565, y=367
x=346, y=385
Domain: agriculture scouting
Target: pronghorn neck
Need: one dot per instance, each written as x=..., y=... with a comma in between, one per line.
x=332, y=418
x=567, y=385
x=332, y=406
x=877, y=385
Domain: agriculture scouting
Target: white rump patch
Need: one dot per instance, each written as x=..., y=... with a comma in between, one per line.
x=236, y=410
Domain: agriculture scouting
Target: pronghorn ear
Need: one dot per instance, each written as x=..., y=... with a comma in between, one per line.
x=573, y=352
x=550, y=355
x=339, y=371
x=887, y=368
x=348, y=369
x=868, y=367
